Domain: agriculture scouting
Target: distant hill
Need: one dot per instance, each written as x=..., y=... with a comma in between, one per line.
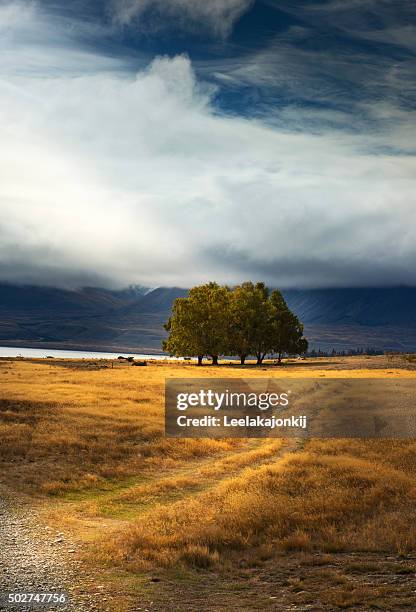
x=28, y=298
x=132, y=319
x=372, y=307
x=159, y=300
x=362, y=306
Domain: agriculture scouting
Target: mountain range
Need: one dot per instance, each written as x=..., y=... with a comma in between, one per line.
x=131, y=320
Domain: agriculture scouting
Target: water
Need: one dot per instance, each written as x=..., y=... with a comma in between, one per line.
x=13, y=351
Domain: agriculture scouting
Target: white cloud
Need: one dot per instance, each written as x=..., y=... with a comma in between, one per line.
x=137, y=178
x=32, y=43
x=217, y=16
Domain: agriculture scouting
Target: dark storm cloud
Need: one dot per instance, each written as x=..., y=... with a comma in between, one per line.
x=298, y=270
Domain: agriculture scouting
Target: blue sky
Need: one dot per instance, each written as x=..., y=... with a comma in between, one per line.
x=170, y=142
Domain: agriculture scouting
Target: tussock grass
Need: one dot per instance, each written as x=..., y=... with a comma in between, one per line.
x=65, y=429
x=307, y=502
x=94, y=439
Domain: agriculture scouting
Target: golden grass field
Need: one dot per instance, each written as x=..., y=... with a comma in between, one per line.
x=212, y=524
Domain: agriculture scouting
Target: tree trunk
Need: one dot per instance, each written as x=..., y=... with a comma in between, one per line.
x=242, y=359
x=200, y=358
x=214, y=359
x=279, y=359
x=260, y=358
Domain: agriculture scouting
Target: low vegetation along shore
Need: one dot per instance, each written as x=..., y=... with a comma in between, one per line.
x=208, y=524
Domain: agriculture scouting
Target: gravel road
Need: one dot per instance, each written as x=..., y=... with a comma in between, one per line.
x=35, y=558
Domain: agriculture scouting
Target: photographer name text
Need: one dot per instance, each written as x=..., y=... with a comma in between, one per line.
x=272, y=422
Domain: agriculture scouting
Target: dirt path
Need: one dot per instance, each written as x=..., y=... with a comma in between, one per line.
x=34, y=558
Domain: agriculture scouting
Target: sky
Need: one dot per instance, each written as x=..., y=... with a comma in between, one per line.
x=173, y=142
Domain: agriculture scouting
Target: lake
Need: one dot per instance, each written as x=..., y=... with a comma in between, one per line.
x=12, y=351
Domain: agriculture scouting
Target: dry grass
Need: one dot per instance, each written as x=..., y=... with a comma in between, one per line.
x=308, y=501
x=65, y=429
x=91, y=442
x=68, y=428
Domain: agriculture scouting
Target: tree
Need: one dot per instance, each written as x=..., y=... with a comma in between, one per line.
x=261, y=324
x=199, y=323
x=215, y=321
x=182, y=340
x=248, y=320
x=286, y=331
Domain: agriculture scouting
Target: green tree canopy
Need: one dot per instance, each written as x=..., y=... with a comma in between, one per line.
x=248, y=320
x=249, y=317
x=199, y=323
x=286, y=331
